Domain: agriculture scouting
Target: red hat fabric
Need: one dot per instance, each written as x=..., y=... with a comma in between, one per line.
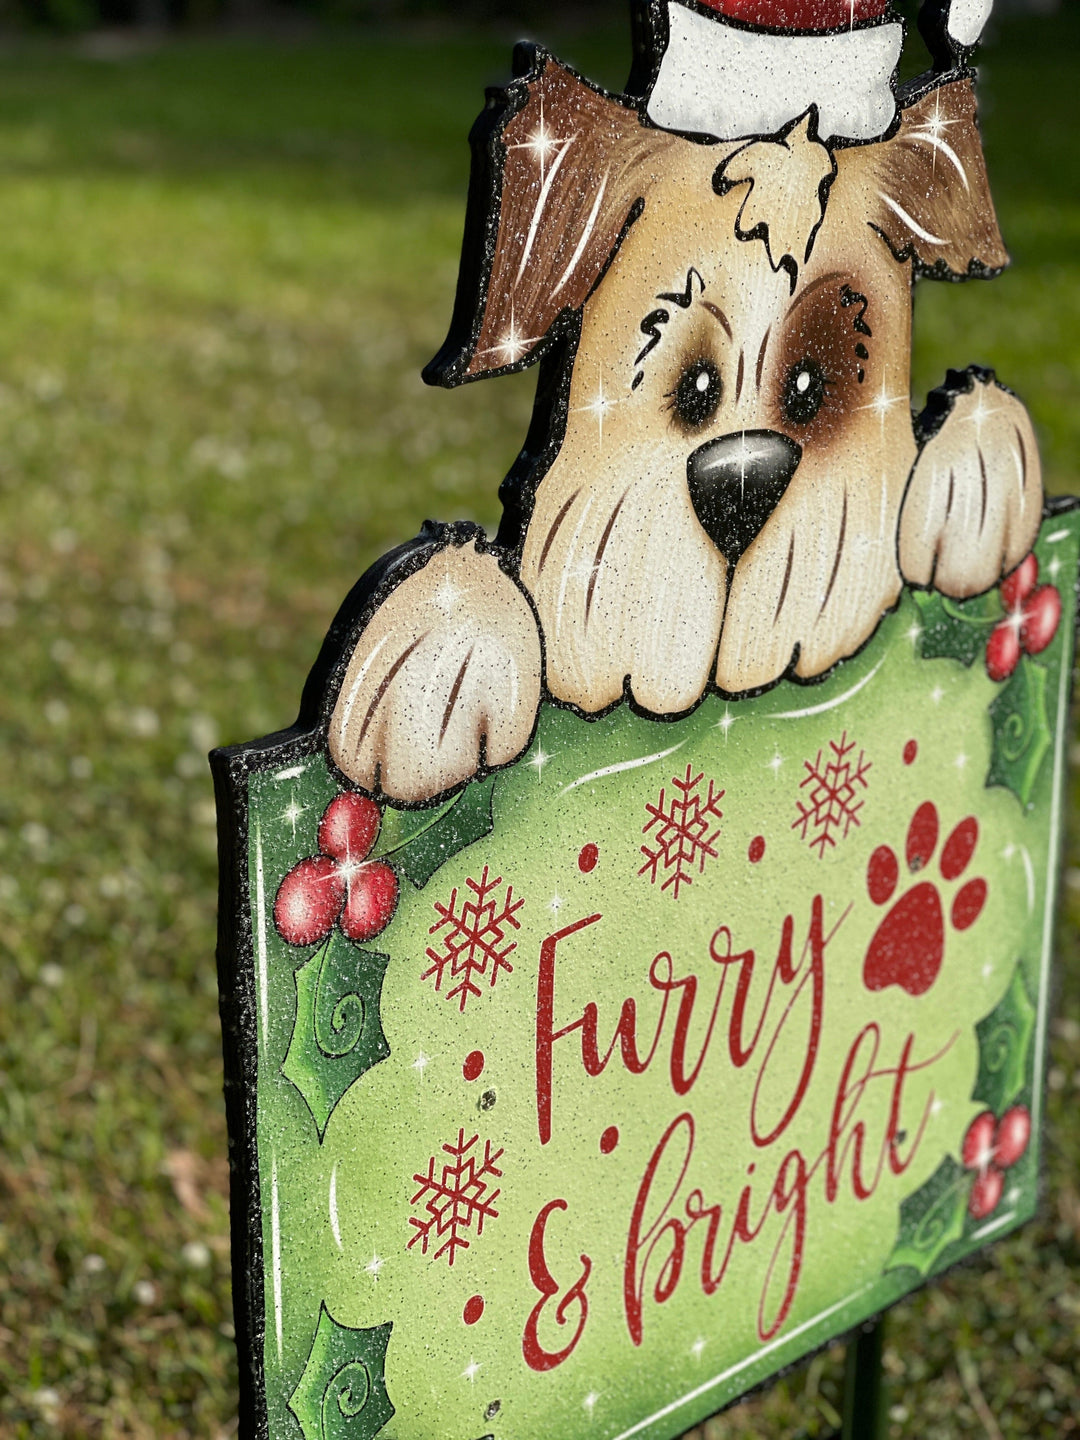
x=799, y=14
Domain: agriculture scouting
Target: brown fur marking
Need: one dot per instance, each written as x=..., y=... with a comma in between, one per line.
x=455, y=691
x=384, y=685
x=604, y=538
x=559, y=518
x=839, y=553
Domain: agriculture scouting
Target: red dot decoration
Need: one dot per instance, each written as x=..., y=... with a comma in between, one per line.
x=474, y=1065
x=757, y=849
x=474, y=1308
x=911, y=749
x=609, y=1139
x=588, y=857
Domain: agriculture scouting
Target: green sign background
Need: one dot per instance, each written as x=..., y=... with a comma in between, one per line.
x=361, y=1085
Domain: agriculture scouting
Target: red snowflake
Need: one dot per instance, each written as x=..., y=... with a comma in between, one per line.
x=475, y=938
x=831, y=805
x=682, y=837
x=456, y=1197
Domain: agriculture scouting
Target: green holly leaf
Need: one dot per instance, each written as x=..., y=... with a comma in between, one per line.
x=954, y=630
x=422, y=840
x=931, y=1219
x=338, y=1032
x=1021, y=730
x=342, y=1392
x=1004, y=1042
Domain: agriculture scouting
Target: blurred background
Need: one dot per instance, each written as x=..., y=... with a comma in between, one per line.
x=228, y=242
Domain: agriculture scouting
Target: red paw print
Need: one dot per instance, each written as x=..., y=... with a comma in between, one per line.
x=991, y=1147
x=1031, y=619
x=909, y=944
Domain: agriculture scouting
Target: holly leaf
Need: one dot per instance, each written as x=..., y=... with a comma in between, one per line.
x=931, y=1219
x=955, y=631
x=1004, y=1041
x=338, y=1033
x=422, y=840
x=341, y=1394
x=1021, y=730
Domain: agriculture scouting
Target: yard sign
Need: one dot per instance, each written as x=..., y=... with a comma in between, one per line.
x=635, y=960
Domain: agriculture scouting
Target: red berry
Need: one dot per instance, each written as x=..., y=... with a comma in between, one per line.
x=348, y=827
x=1042, y=611
x=1002, y=651
x=978, y=1147
x=986, y=1192
x=1019, y=585
x=309, y=900
x=1013, y=1134
x=372, y=900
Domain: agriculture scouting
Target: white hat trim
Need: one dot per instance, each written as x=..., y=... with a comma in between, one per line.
x=717, y=79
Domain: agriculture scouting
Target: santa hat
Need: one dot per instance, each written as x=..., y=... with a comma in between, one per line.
x=736, y=68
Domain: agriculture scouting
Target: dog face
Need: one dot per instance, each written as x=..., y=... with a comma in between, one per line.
x=728, y=490
x=724, y=505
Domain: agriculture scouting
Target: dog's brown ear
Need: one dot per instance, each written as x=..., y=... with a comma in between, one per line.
x=560, y=172
x=927, y=190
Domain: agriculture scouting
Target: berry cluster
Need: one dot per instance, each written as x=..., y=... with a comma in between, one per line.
x=990, y=1147
x=339, y=886
x=1031, y=619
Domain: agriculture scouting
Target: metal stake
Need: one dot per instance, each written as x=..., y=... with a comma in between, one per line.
x=864, y=1391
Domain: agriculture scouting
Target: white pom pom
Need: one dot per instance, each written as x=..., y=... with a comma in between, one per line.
x=967, y=19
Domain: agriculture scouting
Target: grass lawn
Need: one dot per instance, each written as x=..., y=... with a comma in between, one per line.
x=221, y=268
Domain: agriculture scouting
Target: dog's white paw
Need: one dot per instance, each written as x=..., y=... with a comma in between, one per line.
x=974, y=501
x=445, y=678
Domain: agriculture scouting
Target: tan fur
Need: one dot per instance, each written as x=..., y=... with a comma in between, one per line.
x=449, y=661
x=787, y=182
x=973, y=507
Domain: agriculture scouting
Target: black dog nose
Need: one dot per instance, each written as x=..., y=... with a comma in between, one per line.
x=736, y=482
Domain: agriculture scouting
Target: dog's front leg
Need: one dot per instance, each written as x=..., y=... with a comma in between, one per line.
x=444, y=679
x=974, y=500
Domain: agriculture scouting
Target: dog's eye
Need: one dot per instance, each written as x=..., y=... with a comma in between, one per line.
x=698, y=393
x=804, y=391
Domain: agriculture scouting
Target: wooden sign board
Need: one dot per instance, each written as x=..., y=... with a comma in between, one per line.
x=614, y=1016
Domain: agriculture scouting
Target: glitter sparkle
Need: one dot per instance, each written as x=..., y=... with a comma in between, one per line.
x=538, y=760
x=883, y=402
x=726, y=721
x=292, y=814
x=598, y=407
